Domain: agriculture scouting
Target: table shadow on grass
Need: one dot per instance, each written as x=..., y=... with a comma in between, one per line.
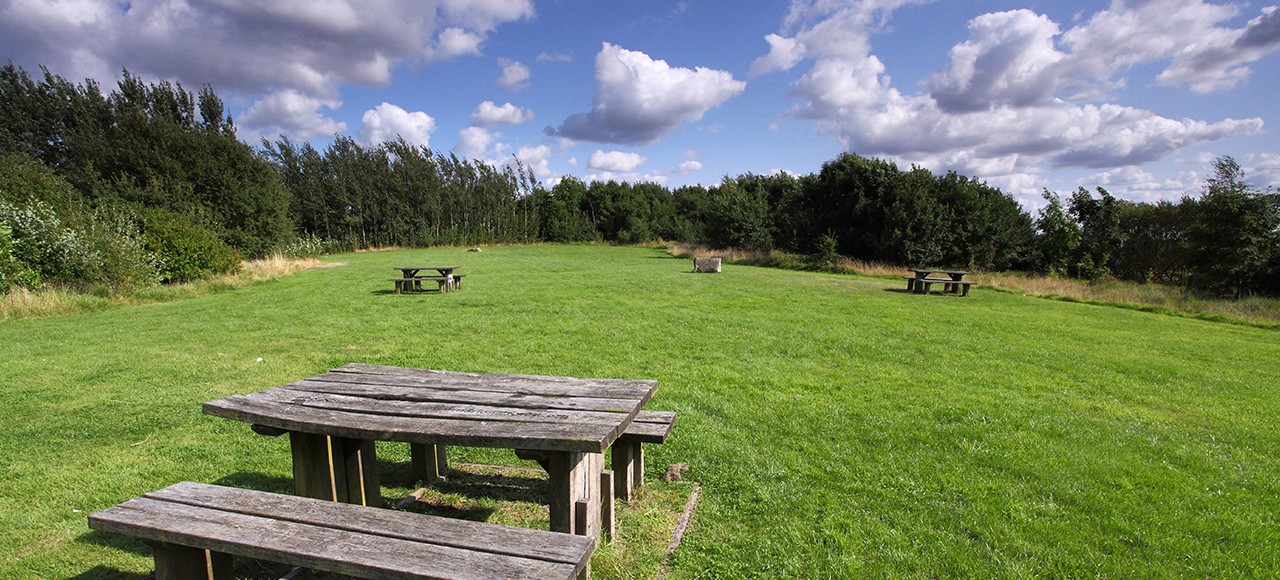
x=106, y=572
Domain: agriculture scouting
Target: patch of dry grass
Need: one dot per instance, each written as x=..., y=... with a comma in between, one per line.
x=20, y=303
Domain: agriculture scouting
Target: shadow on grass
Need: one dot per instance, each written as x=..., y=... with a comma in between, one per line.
x=505, y=486
x=117, y=541
x=258, y=482
x=103, y=572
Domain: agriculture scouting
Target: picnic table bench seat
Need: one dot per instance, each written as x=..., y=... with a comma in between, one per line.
x=184, y=520
x=628, y=455
x=408, y=284
x=921, y=285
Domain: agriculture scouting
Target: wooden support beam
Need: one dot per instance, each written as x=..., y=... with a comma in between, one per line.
x=312, y=466
x=174, y=562
x=428, y=462
x=608, y=525
x=574, y=481
x=628, y=468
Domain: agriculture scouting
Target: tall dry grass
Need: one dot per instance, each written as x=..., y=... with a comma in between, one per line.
x=20, y=303
x=1252, y=311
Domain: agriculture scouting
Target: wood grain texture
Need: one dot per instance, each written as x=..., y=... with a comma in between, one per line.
x=347, y=539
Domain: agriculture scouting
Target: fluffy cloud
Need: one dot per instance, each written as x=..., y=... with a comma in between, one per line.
x=282, y=51
x=538, y=160
x=784, y=53
x=292, y=114
x=689, y=166
x=1008, y=60
x=454, y=42
x=1010, y=103
x=488, y=114
x=515, y=75
x=387, y=122
x=478, y=142
x=638, y=99
x=621, y=161
x=554, y=57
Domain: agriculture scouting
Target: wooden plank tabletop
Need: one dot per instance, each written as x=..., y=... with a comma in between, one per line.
x=442, y=407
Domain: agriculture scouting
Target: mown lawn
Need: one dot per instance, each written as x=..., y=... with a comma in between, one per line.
x=839, y=427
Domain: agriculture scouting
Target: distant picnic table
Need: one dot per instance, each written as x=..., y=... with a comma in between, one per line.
x=446, y=280
x=333, y=420
x=922, y=278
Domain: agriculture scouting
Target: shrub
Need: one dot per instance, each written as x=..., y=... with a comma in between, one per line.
x=185, y=249
x=124, y=260
x=12, y=272
x=308, y=246
x=45, y=245
x=826, y=255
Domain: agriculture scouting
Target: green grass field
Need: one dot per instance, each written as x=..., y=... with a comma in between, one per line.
x=839, y=426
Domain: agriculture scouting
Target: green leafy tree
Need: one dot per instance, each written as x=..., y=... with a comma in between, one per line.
x=1059, y=236
x=1235, y=235
x=1100, y=234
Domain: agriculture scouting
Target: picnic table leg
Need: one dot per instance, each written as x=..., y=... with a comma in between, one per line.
x=174, y=562
x=429, y=462
x=312, y=476
x=355, y=471
x=335, y=469
x=575, y=500
x=628, y=468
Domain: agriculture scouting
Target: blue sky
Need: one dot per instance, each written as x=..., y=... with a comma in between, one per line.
x=1135, y=96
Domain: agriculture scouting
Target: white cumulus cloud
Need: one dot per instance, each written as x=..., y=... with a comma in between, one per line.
x=1010, y=103
x=638, y=99
x=515, y=74
x=386, y=122
x=619, y=161
x=291, y=114
x=488, y=114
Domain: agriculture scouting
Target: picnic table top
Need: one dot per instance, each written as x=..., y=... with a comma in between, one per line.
x=416, y=268
x=385, y=403
x=928, y=271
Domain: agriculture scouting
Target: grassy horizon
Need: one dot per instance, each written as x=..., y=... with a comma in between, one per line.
x=838, y=425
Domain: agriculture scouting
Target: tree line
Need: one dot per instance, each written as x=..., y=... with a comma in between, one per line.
x=149, y=184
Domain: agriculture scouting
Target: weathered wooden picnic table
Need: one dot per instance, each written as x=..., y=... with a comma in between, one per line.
x=333, y=420
x=410, y=280
x=922, y=278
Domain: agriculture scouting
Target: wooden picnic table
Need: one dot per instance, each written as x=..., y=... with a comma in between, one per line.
x=921, y=278
x=333, y=420
x=410, y=280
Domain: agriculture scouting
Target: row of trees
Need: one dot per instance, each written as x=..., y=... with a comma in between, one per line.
x=401, y=194
x=1225, y=242
x=149, y=183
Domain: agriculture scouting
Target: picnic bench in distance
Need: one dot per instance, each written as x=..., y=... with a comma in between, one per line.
x=183, y=520
x=333, y=420
x=410, y=281
x=922, y=278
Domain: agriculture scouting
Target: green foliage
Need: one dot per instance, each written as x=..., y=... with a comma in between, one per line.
x=737, y=216
x=149, y=137
x=1059, y=236
x=305, y=246
x=881, y=213
x=13, y=273
x=401, y=194
x=1100, y=234
x=1155, y=247
x=827, y=252
x=185, y=250
x=1235, y=235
